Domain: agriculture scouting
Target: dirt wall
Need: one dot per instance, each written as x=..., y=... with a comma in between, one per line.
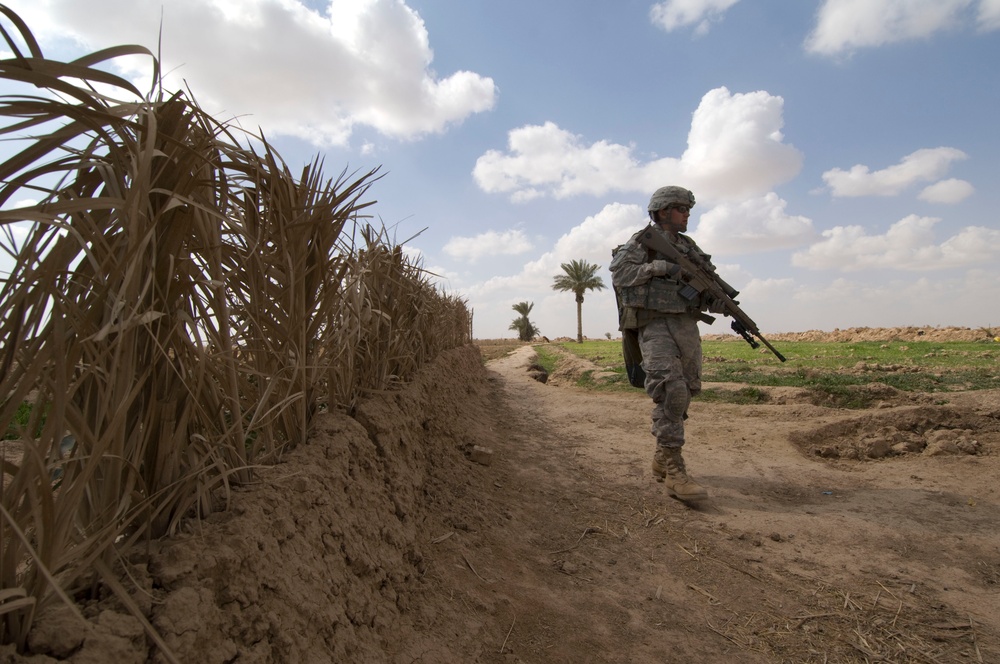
x=321, y=560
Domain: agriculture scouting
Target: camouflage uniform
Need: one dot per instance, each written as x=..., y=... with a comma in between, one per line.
x=651, y=303
x=668, y=334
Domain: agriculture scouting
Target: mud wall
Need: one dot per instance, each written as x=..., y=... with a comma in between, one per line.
x=321, y=560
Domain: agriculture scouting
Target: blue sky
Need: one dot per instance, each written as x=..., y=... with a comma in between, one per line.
x=844, y=153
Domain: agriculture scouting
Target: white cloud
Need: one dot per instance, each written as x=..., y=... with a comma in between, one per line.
x=759, y=224
x=922, y=165
x=907, y=245
x=549, y=160
x=846, y=25
x=674, y=14
x=591, y=240
x=442, y=277
x=735, y=149
x=735, y=146
x=491, y=243
x=935, y=301
x=554, y=312
x=786, y=303
x=989, y=15
x=947, y=191
x=761, y=289
x=367, y=62
x=12, y=234
x=23, y=202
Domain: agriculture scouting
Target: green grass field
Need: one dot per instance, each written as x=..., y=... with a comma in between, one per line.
x=835, y=372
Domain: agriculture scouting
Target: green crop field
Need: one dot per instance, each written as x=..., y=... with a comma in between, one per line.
x=835, y=372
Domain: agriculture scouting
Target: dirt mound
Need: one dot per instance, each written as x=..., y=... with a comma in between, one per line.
x=856, y=334
x=571, y=367
x=927, y=430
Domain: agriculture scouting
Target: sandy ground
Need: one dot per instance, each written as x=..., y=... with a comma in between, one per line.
x=391, y=538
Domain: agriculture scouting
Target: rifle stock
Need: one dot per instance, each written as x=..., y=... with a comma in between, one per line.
x=699, y=279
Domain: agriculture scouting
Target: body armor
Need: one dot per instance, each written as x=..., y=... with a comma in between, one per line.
x=657, y=295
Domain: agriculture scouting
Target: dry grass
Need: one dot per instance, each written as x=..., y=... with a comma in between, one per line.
x=820, y=622
x=877, y=624
x=180, y=306
x=492, y=349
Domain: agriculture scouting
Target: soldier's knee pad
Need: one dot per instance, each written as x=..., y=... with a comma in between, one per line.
x=676, y=399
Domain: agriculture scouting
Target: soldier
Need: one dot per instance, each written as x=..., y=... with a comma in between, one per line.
x=666, y=324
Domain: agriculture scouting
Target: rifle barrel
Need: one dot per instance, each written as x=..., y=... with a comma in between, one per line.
x=772, y=349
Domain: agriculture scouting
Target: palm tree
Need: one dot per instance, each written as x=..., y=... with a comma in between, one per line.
x=526, y=330
x=579, y=277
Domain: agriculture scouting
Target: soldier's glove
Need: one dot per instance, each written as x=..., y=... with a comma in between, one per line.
x=659, y=268
x=716, y=306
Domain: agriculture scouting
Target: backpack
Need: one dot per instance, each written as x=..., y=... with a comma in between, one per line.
x=631, y=351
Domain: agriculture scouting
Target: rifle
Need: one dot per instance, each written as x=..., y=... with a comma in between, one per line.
x=697, y=278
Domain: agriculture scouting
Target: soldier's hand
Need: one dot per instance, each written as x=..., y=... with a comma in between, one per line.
x=716, y=306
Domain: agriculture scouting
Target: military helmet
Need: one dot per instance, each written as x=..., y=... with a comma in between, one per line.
x=665, y=196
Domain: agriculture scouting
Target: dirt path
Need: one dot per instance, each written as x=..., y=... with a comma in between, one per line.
x=388, y=538
x=577, y=555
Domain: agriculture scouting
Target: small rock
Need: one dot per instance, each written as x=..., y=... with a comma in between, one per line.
x=941, y=448
x=968, y=446
x=481, y=455
x=877, y=448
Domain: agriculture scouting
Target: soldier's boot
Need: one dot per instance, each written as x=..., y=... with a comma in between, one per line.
x=668, y=464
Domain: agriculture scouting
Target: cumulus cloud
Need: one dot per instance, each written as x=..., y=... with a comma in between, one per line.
x=755, y=225
x=590, y=240
x=442, y=277
x=922, y=165
x=362, y=63
x=587, y=241
x=674, y=14
x=491, y=243
x=911, y=300
x=847, y=25
x=908, y=245
x=989, y=15
x=946, y=191
x=546, y=159
x=555, y=313
x=769, y=289
x=735, y=149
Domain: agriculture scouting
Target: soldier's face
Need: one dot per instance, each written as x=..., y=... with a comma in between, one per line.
x=674, y=219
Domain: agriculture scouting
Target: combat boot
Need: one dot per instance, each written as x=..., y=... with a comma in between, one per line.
x=668, y=465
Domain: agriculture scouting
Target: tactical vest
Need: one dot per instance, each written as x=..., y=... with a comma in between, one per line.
x=659, y=295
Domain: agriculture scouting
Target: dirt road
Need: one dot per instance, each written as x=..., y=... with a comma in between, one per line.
x=794, y=558
x=829, y=536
